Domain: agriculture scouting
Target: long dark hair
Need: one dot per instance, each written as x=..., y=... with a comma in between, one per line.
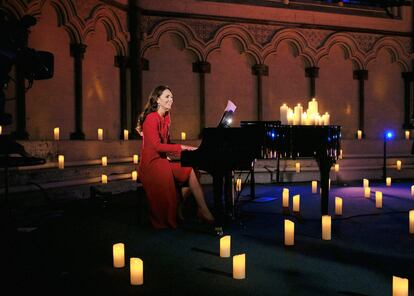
x=151, y=105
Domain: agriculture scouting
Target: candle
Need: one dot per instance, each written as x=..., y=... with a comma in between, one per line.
x=285, y=198
x=61, y=162
x=388, y=181
x=136, y=267
x=1, y=129
x=225, y=246
x=135, y=158
x=298, y=110
x=297, y=167
x=365, y=182
x=126, y=134
x=100, y=134
x=336, y=167
x=104, y=179
x=55, y=133
x=398, y=165
x=289, y=233
x=340, y=154
x=296, y=203
x=284, y=114
x=359, y=134
x=183, y=136
x=338, y=206
x=238, y=184
x=312, y=107
x=314, y=186
x=367, y=192
x=304, y=120
x=290, y=116
x=134, y=175
x=326, y=227
x=239, y=266
x=411, y=218
x=104, y=161
x=378, y=199
x=325, y=118
x=412, y=190
x=118, y=251
x=399, y=286
x=407, y=135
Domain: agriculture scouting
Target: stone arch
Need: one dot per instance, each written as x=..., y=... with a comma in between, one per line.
x=349, y=46
x=241, y=34
x=296, y=40
x=191, y=41
x=394, y=48
x=14, y=9
x=116, y=33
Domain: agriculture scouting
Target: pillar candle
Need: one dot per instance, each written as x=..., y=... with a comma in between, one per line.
x=289, y=233
x=126, y=134
x=326, y=227
x=1, y=129
x=136, y=268
x=365, y=182
x=412, y=190
x=225, y=246
x=100, y=134
x=298, y=110
x=61, y=162
x=296, y=203
x=238, y=184
x=399, y=165
x=338, y=206
x=340, y=154
x=336, y=167
x=297, y=165
x=304, y=119
x=55, y=133
x=239, y=266
x=326, y=118
x=314, y=186
x=407, y=135
x=118, y=251
x=290, y=116
x=284, y=114
x=135, y=158
x=388, y=181
x=367, y=192
x=378, y=199
x=134, y=175
x=104, y=161
x=313, y=106
x=399, y=286
x=411, y=218
x=359, y=134
x=183, y=136
x=285, y=198
x=104, y=179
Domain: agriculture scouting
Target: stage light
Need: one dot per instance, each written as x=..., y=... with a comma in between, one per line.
x=389, y=135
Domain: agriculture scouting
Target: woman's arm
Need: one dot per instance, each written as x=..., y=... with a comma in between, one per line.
x=152, y=137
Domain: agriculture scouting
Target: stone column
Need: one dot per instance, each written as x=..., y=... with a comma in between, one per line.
x=202, y=68
x=260, y=70
x=312, y=73
x=361, y=76
x=121, y=63
x=408, y=114
x=21, y=132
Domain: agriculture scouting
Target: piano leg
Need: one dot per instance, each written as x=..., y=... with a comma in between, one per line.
x=218, y=202
x=325, y=164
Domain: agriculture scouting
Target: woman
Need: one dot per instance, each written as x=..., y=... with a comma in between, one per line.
x=158, y=175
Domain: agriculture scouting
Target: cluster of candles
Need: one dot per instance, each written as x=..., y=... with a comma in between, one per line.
x=136, y=265
x=56, y=134
x=296, y=116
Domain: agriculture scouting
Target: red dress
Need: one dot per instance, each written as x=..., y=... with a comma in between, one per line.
x=157, y=174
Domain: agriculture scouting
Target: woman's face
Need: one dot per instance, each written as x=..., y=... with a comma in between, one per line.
x=165, y=100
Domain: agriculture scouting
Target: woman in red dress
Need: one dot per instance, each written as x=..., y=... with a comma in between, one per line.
x=158, y=175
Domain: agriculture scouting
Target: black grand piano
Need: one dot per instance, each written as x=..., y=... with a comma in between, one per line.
x=224, y=150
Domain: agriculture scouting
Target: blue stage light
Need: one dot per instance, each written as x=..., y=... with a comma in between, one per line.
x=389, y=135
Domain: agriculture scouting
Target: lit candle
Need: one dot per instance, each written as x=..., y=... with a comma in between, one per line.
x=378, y=199
x=118, y=251
x=304, y=119
x=359, y=134
x=312, y=106
x=239, y=266
x=388, y=181
x=100, y=134
x=126, y=134
x=298, y=110
x=136, y=267
x=398, y=165
x=104, y=161
x=336, y=167
x=61, y=162
x=325, y=118
x=55, y=133
x=225, y=246
x=289, y=233
x=183, y=136
x=326, y=227
x=411, y=218
x=412, y=190
x=338, y=206
x=284, y=114
x=104, y=179
x=297, y=165
x=290, y=116
x=314, y=186
x=285, y=198
x=296, y=203
x=367, y=192
x=135, y=158
x=134, y=175
x=340, y=154
x=238, y=184
x=407, y=135
x=1, y=129
x=365, y=182
x=399, y=286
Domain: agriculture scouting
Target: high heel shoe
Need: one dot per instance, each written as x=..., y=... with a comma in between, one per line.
x=205, y=218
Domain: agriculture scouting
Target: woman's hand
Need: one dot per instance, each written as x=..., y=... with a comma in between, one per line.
x=188, y=148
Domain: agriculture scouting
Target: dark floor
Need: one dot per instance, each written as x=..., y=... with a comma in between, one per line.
x=65, y=248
